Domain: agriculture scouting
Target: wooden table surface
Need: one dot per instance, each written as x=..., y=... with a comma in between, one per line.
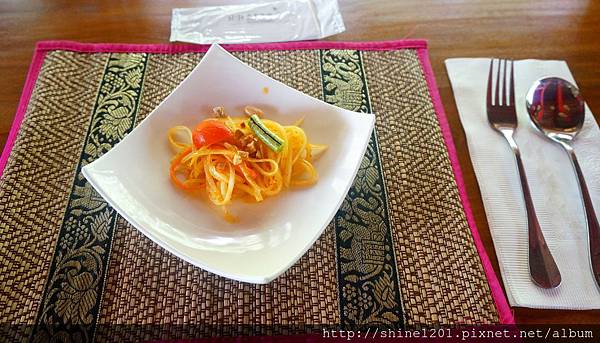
x=545, y=29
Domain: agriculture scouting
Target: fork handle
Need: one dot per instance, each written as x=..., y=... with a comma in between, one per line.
x=542, y=267
x=592, y=221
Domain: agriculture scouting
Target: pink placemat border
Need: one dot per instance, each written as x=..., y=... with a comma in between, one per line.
x=184, y=48
x=504, y=311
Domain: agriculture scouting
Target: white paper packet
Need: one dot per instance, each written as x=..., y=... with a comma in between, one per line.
x=268, y=21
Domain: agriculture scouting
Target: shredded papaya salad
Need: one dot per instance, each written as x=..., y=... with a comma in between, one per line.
x=246, y=157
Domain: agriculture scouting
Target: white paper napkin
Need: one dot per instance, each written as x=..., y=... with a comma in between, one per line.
x=551, y=178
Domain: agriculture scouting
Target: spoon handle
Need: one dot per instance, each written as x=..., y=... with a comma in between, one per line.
x=590, y=214
x=542, y=267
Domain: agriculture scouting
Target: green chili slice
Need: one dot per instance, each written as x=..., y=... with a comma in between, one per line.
x=264, y=134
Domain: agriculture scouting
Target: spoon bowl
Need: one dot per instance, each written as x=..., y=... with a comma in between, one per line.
x=556, y=108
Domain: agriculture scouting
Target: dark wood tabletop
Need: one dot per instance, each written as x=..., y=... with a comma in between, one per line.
x=516, y=29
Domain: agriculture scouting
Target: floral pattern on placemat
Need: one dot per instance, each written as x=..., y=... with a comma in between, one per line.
x=367, y=275
x=70, y=304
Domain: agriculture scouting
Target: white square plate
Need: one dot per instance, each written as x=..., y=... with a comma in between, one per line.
x=270, y=236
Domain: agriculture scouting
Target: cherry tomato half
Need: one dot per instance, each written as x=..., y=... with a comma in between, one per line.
x=211, y=131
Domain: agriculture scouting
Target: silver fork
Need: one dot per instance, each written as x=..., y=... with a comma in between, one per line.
x=502, y=116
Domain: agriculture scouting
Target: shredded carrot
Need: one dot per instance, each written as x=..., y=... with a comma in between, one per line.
x=248, y=171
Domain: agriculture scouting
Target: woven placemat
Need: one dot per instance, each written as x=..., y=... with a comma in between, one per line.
x=402, y=252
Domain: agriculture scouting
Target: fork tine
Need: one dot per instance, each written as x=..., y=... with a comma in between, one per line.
x=512, y=83
x=489, y=85
x=504, y=85
x=497, y=97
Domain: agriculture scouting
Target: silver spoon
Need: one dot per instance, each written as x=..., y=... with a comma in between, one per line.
x=557, y=109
